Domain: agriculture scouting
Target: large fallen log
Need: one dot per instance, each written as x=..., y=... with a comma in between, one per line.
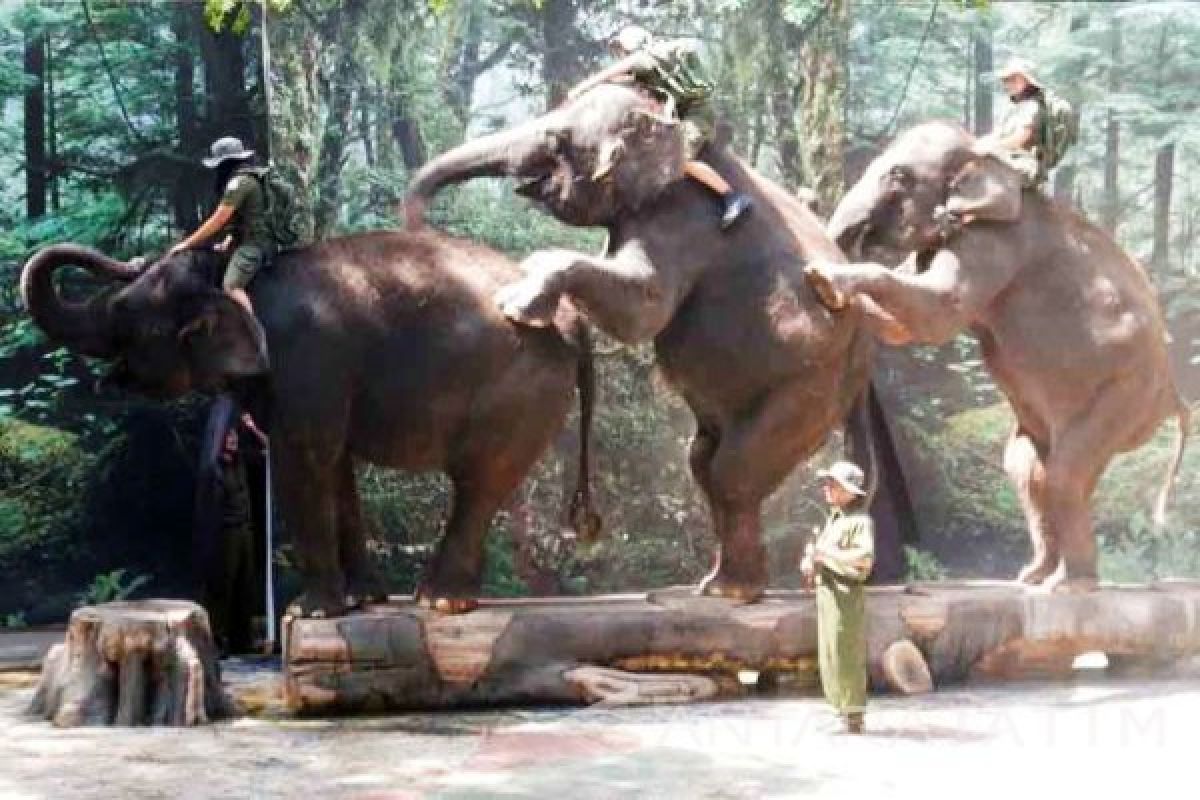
x=150, y=662
x=400, y=656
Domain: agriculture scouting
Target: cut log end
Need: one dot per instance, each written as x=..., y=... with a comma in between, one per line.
x=151, y=662
x=905, y=670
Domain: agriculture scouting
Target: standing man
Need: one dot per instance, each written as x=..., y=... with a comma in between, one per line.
x=672, y=72
x=838, y=563
x=241, y=214
x=1021, y=137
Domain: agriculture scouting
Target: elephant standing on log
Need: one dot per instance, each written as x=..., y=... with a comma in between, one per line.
x=765, y=368
x=384, y=347
x=1067, y=322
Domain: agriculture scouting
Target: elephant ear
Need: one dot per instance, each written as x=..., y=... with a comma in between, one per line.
x=643, y=159
x=221, y=340
x=986, y=188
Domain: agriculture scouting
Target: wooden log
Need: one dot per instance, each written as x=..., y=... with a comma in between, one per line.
x=151, y=662
x=509, y=652
x=904, y=668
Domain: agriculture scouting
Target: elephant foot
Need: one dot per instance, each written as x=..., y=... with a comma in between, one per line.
x=1036, y=573
x=1078, y=585
x=367, y=590
x=820, y=277
x=446, y=603
x=737, y=591
x=317, y=605
x=525, y=303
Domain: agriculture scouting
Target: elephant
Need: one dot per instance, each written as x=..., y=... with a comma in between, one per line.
x=765, y=368
x=1067, y=322
x=384, y=348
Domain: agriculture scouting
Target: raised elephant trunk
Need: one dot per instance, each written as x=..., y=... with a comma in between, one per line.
x=507, y=152
x=851, y=221
x=81, y=326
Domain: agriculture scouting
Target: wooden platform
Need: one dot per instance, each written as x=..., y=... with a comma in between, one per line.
x=399, y=656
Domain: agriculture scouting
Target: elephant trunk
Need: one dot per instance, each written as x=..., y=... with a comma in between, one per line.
x=507, y=152
x=851, y=221
x=81, y=326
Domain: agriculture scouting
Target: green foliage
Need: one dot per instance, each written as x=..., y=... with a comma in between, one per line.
x=111, y=587
x=14, y=621
x=920, y=565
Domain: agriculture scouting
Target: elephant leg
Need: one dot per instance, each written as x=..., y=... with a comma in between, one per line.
x=623, y=296
x=1025, y=469
x=453, y=578
x=700, y=456
x=306, y=484
x=930, y=307
x=1073, y=468
x=364, y=584
x=752, y=457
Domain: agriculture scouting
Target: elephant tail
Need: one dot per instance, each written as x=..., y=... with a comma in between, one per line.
x=586, y=523
x=1184, y=415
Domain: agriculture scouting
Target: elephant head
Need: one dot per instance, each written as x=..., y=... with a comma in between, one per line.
x=893, y=209
x=587, y=162
x=167, y=330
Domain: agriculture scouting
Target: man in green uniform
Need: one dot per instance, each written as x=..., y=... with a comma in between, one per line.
x=241, y=215
x=838, y=563
x=1019, y=139
x=672, y=72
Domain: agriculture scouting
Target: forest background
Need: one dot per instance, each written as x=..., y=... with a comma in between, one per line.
x=106, y=107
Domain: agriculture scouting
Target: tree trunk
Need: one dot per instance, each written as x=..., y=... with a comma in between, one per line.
x=35, y=125
x=823, y=60
x=983, y=65
x=1064, y=176
x=784, y=89
x=1111, y=205
x=54, y=168
x=561, y=64
x=226, y=101
x=530, y=650
x=185, y=199
x=1164, y=176
x=150, y=662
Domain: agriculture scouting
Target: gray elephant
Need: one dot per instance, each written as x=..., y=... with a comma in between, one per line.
x=1068, y=324
x=765, y=368
x=384, y=347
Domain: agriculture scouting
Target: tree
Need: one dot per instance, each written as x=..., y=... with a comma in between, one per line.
x=35, y=123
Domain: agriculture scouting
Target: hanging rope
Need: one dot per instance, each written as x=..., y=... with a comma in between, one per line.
x=887, y=129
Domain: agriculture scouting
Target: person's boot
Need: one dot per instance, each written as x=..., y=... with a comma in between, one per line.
x=736, y=205
x=853, y=722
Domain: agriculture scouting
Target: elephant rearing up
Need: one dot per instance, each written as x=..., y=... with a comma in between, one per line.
x=1068, y=324
x=765, y=368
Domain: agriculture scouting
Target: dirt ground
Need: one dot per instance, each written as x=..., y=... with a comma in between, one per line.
x=1090, y=739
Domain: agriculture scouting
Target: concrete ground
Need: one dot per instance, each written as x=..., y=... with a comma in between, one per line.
x=1097, y=739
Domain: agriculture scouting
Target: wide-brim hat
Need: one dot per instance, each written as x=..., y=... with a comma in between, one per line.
x=847, y=475
x=631, y=39
x=227, y=148
x=1022, y=67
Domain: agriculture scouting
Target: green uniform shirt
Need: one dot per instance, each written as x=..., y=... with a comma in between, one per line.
x=244, y=193
x=674, y=69
x=1029, y=112
x=847, y=545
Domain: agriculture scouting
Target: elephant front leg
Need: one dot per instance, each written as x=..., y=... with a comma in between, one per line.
x=307, y=489
x=625, y=297
x=364, y=583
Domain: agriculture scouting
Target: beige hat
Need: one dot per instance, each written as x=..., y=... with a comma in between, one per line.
x=631, y=39
x=849, y=476
x=1020, y=66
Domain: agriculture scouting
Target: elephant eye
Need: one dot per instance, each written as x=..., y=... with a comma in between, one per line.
x=901, y=178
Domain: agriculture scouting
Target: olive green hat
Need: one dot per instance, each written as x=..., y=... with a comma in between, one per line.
x=227, y=148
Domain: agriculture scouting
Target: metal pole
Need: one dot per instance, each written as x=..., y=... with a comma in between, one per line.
x=269, y=645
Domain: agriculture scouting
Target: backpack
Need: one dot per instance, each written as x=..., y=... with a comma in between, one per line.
x=1060, y=128
x=279, y=206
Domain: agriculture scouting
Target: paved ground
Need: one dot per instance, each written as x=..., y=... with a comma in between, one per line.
x=1101, y=740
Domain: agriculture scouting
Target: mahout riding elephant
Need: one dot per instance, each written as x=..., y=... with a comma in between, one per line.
x=1068, y=323
x=765, y=368
x=384, y=347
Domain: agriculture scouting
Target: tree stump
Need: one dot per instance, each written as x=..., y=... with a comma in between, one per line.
x=905, y=670
x=151, y=662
